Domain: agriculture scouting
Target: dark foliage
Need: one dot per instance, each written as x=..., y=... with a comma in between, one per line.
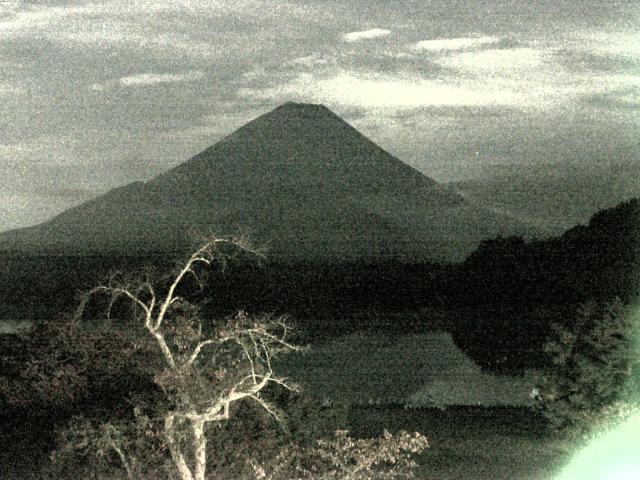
x=594, y=261
x=509, y=338
x=509, y=291
x=60, y=370
x=591, y=361
x=514, y=290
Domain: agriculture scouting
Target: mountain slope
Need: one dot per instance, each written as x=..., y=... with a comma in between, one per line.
x=554, y=197
x=513, y=291
x=298, y=179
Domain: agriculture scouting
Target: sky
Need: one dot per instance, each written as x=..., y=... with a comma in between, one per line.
x=98, y=94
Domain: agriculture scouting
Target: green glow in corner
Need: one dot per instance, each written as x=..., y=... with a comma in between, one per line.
x=615, y=453
x=611, y=456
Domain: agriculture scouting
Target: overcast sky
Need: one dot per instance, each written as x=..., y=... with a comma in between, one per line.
x=97, y=94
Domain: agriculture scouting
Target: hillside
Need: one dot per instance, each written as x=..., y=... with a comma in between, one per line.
x=555, y=197
x=513, y=290
x=299, y=180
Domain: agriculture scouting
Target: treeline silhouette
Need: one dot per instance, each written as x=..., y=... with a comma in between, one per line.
x=514, y=290
x=499, y=303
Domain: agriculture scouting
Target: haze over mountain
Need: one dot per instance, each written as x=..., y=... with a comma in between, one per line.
x=554, y=196
x=299, y=180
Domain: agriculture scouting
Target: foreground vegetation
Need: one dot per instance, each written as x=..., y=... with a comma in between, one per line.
x=465, y=442
x=180, y=376
x=480, y=443
x=147, y=384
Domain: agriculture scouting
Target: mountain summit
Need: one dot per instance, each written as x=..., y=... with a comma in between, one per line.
x=299, y=180
x=301, y=150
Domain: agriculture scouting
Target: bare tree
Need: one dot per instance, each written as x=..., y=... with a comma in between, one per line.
x=205, y=368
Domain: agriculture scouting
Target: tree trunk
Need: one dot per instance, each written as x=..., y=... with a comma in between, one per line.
x=123, y=459
x=199, y=449
x=174, y=448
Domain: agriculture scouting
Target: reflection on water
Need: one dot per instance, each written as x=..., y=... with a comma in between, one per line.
x=414, y=370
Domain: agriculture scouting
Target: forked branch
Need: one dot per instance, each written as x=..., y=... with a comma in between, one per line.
x=247, y=345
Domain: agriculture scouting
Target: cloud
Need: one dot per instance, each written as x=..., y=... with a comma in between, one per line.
x=462, y=43
x=540, y=76
x=312, y=61
x=582, y=61
x=365, y=34
x=106, y=25
x=145, y=79
x=613, y=43
x=148, y=79
x=154, y=27
x=380, y=92
x=16, y=21
x=12, y=150
x=498, y=62
x=187, y=28
x=627, y=98
x=10, y=89
x=619, y=81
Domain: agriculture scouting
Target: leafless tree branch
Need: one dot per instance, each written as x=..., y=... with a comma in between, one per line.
x=256, y=341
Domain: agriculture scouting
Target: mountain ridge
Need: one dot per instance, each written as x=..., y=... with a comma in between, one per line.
x=555, y=196
x=298, y=178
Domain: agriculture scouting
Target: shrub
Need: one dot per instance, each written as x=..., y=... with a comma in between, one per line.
x=387, y=457
x=250, y=435
x=128, y=448
x=592, y=362
x=63, y=367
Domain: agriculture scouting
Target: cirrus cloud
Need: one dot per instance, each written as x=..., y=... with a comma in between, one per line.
x=500, y=62
x=149, y=79
x=376, y=91
x=365, y=34
x=144, y=79
x=454, y=43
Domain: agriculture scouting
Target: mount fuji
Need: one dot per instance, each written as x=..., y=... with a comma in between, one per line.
x=298, y=180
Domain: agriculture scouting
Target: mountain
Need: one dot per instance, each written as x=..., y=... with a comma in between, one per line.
x=299, y=180
x=555, y=197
